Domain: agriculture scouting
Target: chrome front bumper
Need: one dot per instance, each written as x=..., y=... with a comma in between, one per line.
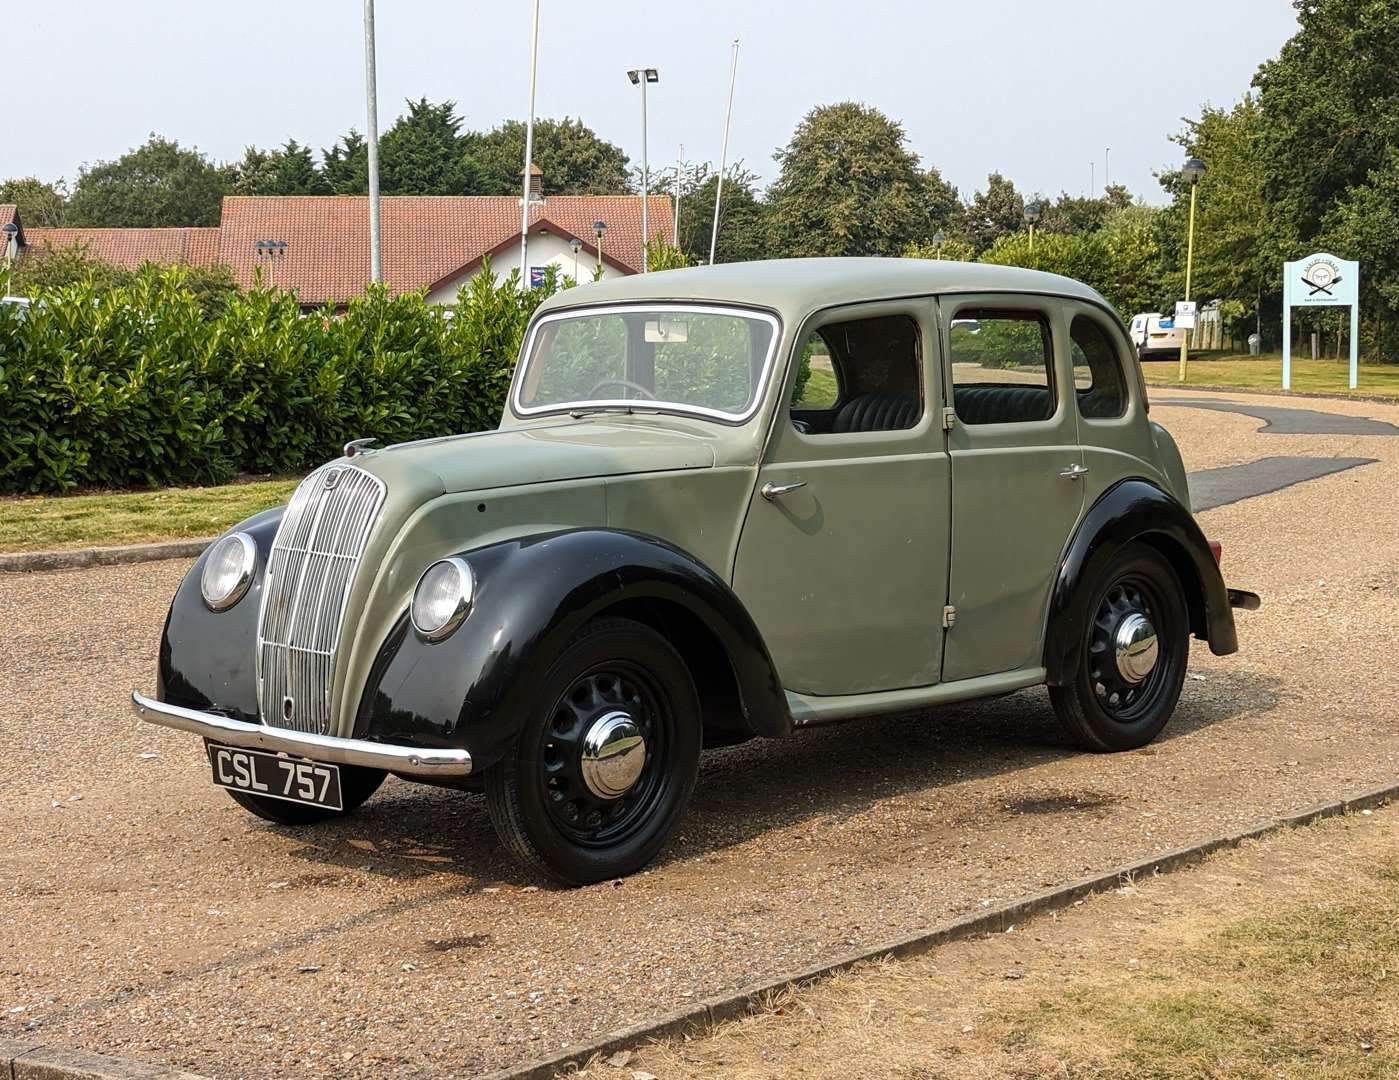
x=404, y=760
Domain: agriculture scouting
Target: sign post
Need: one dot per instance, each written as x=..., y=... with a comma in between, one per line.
x=1320, y=280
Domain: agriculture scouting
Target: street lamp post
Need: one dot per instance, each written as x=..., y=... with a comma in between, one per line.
x=11, y=231
x=1193, y=170
x=640, y=77
x=938, y=238
x=1032, y=215
x=371, y=94
x=599, y=227
x=575, y=244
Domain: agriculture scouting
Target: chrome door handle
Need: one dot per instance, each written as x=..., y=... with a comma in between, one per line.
x=770, y=491
x=1074, y=471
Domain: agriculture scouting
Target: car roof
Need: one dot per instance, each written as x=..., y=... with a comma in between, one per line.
x=797, y=286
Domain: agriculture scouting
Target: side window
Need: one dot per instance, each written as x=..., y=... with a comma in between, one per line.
x=861, y=375
x=1098, y=379
x=1002, y=366
x=817, y=388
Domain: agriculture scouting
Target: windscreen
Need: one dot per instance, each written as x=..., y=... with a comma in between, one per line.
x=704, y=360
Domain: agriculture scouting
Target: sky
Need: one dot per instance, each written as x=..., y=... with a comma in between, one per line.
x=1038, y=91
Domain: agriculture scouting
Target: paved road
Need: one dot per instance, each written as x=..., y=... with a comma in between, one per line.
x=142, y=913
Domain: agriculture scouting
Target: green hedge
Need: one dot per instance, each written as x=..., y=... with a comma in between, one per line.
x=138, y=386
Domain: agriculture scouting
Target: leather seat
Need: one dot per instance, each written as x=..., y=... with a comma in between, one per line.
x=878, y=412
x=1002, y=404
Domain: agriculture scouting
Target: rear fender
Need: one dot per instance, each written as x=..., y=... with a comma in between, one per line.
x=1135, y=511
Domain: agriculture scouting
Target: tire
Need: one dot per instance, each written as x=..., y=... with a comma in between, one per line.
x=1101, y=707
x=356, y=785
x=543, y=801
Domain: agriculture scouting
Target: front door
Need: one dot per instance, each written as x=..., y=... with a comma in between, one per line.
x=843, y=557
x=1017, y=476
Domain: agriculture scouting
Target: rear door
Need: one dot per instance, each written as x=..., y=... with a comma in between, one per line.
x=1017, y=472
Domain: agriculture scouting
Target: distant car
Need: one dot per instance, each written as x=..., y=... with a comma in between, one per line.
x=1155, y=336
x=685, y=533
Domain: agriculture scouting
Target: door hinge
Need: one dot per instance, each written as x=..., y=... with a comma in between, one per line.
x=949, y=617
x=949, y=419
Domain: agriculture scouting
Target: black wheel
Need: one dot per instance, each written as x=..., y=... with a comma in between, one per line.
x=1134, y=656
x=607, y=761
x=356, y=785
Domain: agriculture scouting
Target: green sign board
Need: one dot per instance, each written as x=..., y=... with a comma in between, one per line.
x=1320, y=280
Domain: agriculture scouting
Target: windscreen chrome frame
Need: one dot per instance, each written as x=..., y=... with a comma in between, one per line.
x=647, y=404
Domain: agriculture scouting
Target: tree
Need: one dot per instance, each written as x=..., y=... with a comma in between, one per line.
x=1330, y=107
x=1239, y=240
x=40, y=205
x=290, y=170
x=157, y=184
x=743, y=222
x=998, y=211
x=573, y=159
x=942, y=204
x=346, y=165
x=848, y=186
x=424, y=153
x=1080, y=214
x=1365, y=226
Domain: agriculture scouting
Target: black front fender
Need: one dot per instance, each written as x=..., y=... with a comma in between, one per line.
x=1135, y=511
x=475, y=689
x=208, y=661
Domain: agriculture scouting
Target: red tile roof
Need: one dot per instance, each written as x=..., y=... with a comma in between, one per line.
x=428, y=240
x=9, y=212
x=132, y=247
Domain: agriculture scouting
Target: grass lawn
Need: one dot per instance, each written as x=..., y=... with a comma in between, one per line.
x=1265, y=372
x=48, y=522
x=1279, y=959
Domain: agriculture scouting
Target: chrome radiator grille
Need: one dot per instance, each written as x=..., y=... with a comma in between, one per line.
x=309, y=573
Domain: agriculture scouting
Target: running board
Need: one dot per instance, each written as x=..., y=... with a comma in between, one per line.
x=809, y=710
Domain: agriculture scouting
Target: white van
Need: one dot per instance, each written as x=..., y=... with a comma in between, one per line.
x=1156, y=336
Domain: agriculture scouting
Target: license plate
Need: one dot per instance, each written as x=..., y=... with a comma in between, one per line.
x=276, y=777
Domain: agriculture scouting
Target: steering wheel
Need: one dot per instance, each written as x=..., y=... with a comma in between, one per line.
x=622, y=382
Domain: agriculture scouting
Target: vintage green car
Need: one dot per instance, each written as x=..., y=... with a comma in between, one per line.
x=722, y=502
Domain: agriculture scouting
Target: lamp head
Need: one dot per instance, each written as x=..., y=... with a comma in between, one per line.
x=1194, y=169
x=1032, y=212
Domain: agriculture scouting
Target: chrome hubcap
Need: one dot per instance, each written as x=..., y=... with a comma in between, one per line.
x=1134, y=647
x=614, y=755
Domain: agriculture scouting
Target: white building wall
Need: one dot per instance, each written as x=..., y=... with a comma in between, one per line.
x=544, y=250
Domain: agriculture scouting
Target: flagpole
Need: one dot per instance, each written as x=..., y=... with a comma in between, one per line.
x=529, y=154
x=723, y=153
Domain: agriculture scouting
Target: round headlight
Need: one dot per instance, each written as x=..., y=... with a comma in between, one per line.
x=442, y=599
x=228, y=571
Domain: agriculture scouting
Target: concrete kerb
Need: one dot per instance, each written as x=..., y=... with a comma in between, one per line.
x=33, y=1061
x=703, y=1015
x=77, y=558
x=1263, y=391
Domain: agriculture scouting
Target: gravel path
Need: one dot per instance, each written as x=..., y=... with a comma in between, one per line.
x=143, y=914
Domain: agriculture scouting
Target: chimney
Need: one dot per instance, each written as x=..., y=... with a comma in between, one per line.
x=536, y=183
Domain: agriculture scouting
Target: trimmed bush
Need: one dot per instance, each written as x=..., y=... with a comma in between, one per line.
x=138, y=386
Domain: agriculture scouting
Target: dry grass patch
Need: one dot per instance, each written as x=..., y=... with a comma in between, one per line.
x=1278, y=960
x=49, y=522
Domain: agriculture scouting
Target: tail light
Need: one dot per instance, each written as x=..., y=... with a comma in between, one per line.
x=1217, y=550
